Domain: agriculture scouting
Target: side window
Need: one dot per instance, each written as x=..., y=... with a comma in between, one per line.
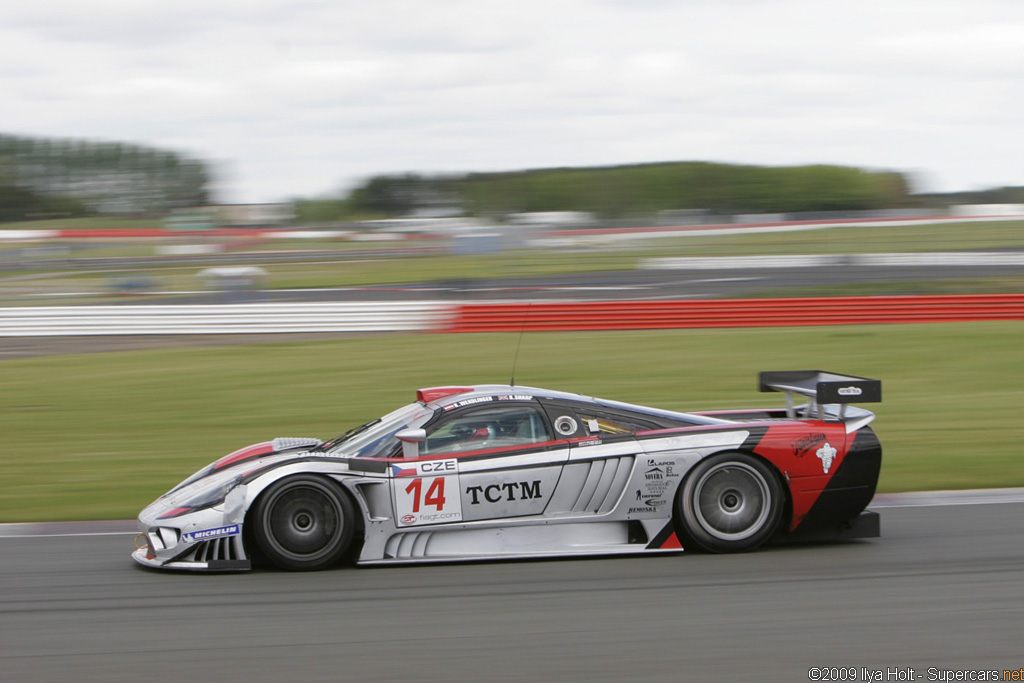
x=611, y=425
x=493, y=427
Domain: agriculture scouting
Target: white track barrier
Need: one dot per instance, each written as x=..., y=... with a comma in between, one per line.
x=225, y=318
x=952, y=258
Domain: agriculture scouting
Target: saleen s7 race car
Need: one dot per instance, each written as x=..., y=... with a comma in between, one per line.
x=487, y=472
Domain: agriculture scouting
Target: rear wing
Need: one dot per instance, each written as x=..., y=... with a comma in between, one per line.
x=825, y=390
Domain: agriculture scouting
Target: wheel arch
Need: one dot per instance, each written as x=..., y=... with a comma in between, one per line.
x=787, y=492
x=780, y=477
x=265, y=483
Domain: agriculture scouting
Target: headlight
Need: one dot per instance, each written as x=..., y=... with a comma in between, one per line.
x=206, y=497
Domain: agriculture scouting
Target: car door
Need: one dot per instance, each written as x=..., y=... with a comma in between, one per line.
x=495, y=460
x=602, y=465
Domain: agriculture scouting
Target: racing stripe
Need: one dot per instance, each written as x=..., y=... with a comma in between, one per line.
x=242, y=454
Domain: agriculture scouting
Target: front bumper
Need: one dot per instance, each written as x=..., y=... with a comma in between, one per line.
x=199, y=541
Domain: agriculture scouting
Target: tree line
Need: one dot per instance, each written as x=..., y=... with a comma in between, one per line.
x=70, y=177
x=625, y=191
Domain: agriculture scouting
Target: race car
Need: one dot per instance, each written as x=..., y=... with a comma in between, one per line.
x=501, y=471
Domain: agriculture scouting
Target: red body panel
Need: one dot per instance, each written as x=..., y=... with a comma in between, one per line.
x=807, y=456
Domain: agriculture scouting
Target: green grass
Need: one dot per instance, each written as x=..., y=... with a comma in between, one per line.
x=996, y=284
x=90, y=223
x=851, y=240
x=98, y=436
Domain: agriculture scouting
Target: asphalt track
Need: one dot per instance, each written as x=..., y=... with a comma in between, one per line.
x=638, y=285
x=941, y=590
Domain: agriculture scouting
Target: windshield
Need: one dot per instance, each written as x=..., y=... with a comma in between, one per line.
x=377, y=439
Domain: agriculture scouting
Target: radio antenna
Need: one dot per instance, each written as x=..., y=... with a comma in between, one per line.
x=519, y=343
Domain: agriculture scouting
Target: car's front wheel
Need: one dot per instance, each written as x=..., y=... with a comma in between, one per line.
x=303, y=523
x=730, y=502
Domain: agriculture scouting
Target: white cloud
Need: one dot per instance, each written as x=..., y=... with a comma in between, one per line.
x=299, y=98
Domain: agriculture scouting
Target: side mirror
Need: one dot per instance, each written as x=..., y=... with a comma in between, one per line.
x=411, y=440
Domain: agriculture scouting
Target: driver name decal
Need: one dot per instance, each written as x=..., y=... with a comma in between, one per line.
x=468, y=402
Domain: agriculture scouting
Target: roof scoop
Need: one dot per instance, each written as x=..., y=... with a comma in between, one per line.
x=436, y=393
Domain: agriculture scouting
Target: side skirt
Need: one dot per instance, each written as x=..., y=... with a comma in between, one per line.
x=505, y=542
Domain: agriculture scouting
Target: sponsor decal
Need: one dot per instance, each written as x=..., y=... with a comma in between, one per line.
x=428, y=517
x=667, y=467
x=650, y=504
x=469, y=402
x=850, y=391
x=655, y=485
x=827, y=454
x=498, y=493
x=652, y=489
x=803, y=445
x=424, y=494
x=207, y=534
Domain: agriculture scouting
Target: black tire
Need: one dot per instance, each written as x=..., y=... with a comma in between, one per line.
x=730, y=502
x=304, y=523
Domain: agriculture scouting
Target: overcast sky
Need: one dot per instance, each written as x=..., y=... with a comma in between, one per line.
x=308, y=97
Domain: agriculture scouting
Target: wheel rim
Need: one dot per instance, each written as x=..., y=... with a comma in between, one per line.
x=304, y=522
x=732, y=501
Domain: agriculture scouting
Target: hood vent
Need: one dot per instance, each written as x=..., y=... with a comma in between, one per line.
x=285, y=443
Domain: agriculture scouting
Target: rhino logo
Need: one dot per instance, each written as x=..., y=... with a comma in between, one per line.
x=827, y=455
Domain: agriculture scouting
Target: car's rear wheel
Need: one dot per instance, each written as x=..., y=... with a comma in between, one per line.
x=730, y=502
x=304, y=523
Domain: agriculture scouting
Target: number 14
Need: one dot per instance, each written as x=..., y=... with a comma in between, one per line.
x=435, y=493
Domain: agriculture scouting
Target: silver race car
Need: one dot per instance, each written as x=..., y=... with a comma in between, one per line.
x=488, y=472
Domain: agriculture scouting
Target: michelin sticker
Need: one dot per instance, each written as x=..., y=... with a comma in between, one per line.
x=827, y=454
x=207, y=534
